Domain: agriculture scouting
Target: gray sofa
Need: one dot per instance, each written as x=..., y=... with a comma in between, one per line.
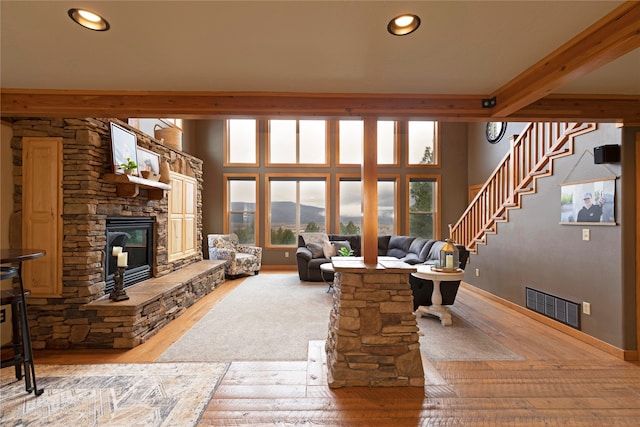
x=412, y=250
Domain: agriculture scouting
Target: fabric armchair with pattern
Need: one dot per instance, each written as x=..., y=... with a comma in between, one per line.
x=241, y=259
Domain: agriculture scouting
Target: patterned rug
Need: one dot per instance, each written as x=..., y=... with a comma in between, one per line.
x=159, y=394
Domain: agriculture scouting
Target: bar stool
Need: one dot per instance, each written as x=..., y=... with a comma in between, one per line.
x=21, y=341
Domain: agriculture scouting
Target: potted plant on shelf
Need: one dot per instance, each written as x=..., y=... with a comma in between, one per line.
x=129, y=166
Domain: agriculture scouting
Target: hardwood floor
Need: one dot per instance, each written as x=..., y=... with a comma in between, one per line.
x=560, y=381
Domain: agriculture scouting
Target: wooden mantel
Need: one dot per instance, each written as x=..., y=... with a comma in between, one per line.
x=129, y=185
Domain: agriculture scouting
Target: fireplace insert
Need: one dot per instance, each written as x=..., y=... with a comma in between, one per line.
x=135, y=236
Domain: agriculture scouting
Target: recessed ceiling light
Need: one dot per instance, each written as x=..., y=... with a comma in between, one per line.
x=88, y=19
x=403, y=24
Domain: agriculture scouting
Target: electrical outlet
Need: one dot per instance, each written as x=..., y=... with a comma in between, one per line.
x=586, y=308
x=477, y=272
x=586, y=234
x=286, y=254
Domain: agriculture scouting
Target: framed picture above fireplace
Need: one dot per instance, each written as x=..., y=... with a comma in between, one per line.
x=123, y=147
x=148, y=161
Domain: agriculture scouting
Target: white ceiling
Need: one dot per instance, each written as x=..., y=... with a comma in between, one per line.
x=462, y=47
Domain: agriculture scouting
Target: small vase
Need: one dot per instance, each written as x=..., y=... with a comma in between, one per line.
x=127, y=171
x=165, y=172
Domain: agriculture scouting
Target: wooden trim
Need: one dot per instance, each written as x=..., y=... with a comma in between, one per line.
x=279, y=268
x=339, y=177
x=225, y=196
x=205, y=105
x=297, y=164
x=437, y=208
x=369, y=233
x=637, y=248
x=595, y=342
x=295, y=177
x=436, y=148
x=611, y=37
x=473, y=191
x=227, y=143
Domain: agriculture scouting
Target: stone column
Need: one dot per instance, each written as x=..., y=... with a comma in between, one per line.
x=373, y=333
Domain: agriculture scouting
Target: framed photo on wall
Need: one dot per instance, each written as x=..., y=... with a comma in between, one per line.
x=588, y=202
x=123, y=147
x=148, y=161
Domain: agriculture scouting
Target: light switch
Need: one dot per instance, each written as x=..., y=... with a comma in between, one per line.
x=586, y=234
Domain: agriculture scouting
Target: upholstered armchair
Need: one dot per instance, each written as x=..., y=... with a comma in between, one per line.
x=241, y=259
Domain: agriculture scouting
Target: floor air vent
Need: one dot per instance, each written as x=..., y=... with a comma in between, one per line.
x=556, y=308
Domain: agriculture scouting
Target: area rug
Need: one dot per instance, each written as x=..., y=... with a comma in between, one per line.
x=460, y=341
x=159, y=394
x=268, y=317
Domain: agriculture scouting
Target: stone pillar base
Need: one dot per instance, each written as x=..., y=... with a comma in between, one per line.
x=373, y=333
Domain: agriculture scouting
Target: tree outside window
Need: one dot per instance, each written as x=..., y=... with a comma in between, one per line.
x=422, y=203
x=422, y=138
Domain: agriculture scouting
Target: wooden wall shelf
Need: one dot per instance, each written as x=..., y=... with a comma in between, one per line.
x=129, y=186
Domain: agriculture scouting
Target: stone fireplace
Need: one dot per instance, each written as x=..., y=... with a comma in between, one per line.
x=92, y=209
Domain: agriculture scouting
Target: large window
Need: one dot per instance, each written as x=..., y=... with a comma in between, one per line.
x=351, y=141
x=423, y=201
x=284, y=176
x=350, y=205
x=422, y=143
x=242, y=207
x=297, y=142
x=296, y=205
x=242, y=141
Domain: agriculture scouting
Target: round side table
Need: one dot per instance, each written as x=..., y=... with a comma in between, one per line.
x=436, y=308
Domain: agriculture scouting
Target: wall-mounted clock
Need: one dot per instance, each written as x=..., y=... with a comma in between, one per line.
x=495, y=131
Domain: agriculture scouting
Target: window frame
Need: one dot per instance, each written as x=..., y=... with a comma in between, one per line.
x=397, y=127
x=356, y=177
x=436, y=178
x=436, y=146
x=297, y=164
x=227, y=145
x=227, y=202
x=295, y=177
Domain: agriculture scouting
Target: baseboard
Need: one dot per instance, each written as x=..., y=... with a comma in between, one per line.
x=627, y=355
x=286, y=268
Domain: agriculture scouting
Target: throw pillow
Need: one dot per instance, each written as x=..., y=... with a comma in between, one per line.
x=328, y=249
x=316, y=250
x=314, y=237
x=338, y=244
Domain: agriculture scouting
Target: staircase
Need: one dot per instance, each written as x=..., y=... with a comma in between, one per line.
x=529, y=158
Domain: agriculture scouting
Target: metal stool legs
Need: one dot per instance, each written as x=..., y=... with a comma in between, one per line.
x=17, y=299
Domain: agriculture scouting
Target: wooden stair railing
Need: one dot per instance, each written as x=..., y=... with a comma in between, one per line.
x=529, y=158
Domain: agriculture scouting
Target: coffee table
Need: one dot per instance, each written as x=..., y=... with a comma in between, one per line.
x=436, y=308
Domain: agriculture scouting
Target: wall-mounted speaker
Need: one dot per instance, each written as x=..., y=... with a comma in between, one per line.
x=606, y=154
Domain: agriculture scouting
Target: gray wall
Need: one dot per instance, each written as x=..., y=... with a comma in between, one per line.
x=483, y=156
x=206, y=143
x=534, y=250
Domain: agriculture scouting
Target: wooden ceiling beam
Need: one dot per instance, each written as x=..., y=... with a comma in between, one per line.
x=610, y=38
x=43, y=103
x=40, y=103
x=598, y=108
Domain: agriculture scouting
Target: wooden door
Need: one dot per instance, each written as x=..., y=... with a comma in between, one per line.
x=182, y=216
x=41, y=214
